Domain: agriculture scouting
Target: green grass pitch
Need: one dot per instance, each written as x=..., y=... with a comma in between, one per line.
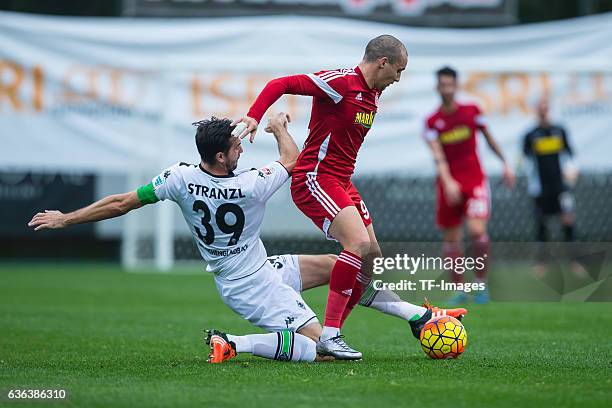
x=117, y=339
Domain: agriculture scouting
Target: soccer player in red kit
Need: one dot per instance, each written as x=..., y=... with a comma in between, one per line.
x=461, y=186
x=345, y=102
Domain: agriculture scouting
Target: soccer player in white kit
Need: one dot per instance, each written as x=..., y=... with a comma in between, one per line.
x=224, y=209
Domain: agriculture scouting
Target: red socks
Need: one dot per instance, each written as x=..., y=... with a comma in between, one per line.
x=343, y=287
x=453, y=250
x=361, y=283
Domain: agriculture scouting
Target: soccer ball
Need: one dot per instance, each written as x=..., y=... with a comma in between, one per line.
x=443, y=337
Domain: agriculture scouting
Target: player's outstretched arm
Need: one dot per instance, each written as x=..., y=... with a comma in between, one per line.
x=508, y=174
x=287, y=148
x=109, y=207
x=295, y=85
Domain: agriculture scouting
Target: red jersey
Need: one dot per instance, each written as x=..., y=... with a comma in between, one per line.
x=456, y=132
x=343, y=110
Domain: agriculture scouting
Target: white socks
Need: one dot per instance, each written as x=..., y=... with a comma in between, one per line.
x=329, y=332
x=284, y=345
x=390, y=303
x=243, y=343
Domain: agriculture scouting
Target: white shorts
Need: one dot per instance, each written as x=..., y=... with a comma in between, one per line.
x=269, y=298
x=288, y=266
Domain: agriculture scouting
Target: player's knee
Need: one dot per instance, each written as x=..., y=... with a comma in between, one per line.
x=359, y=244
x=477, y=230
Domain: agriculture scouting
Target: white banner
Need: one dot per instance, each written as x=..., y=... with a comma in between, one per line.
x=114, y=94
x=411, y=8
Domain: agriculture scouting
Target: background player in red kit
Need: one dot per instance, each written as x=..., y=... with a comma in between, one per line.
x=345, y=102
x=462, y=188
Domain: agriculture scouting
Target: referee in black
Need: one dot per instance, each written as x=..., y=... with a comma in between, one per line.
x=550, y=174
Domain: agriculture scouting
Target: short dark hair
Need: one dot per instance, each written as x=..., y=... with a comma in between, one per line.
x=384, y=46
x=213, y=136
x=447, y=71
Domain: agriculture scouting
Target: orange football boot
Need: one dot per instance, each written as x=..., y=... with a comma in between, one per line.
x=438, y=312
x=221, y=349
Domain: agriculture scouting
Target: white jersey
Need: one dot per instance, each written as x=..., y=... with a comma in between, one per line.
x=224, y=213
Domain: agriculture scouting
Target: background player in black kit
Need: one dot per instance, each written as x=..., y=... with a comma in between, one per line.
x=550, y=174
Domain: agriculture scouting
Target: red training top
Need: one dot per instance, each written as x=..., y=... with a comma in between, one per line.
x=456, y=132
x=343, y=110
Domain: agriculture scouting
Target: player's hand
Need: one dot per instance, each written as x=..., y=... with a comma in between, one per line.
x=277, y=122
x=50, y=219
x=452, y=191
x=508, y=176
x=251, y=127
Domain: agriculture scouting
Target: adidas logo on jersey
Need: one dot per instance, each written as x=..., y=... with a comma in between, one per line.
x=359, y=97
x=347, y=292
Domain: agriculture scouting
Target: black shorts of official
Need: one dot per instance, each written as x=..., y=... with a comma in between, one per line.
x=555, y=203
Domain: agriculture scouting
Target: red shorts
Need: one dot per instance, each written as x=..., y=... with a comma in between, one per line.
x=476, y=203
x=321, y=198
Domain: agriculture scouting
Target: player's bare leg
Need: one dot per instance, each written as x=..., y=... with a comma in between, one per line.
x=315, y=270
x=347, y=227
x=479, y=243
x=452, y=247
